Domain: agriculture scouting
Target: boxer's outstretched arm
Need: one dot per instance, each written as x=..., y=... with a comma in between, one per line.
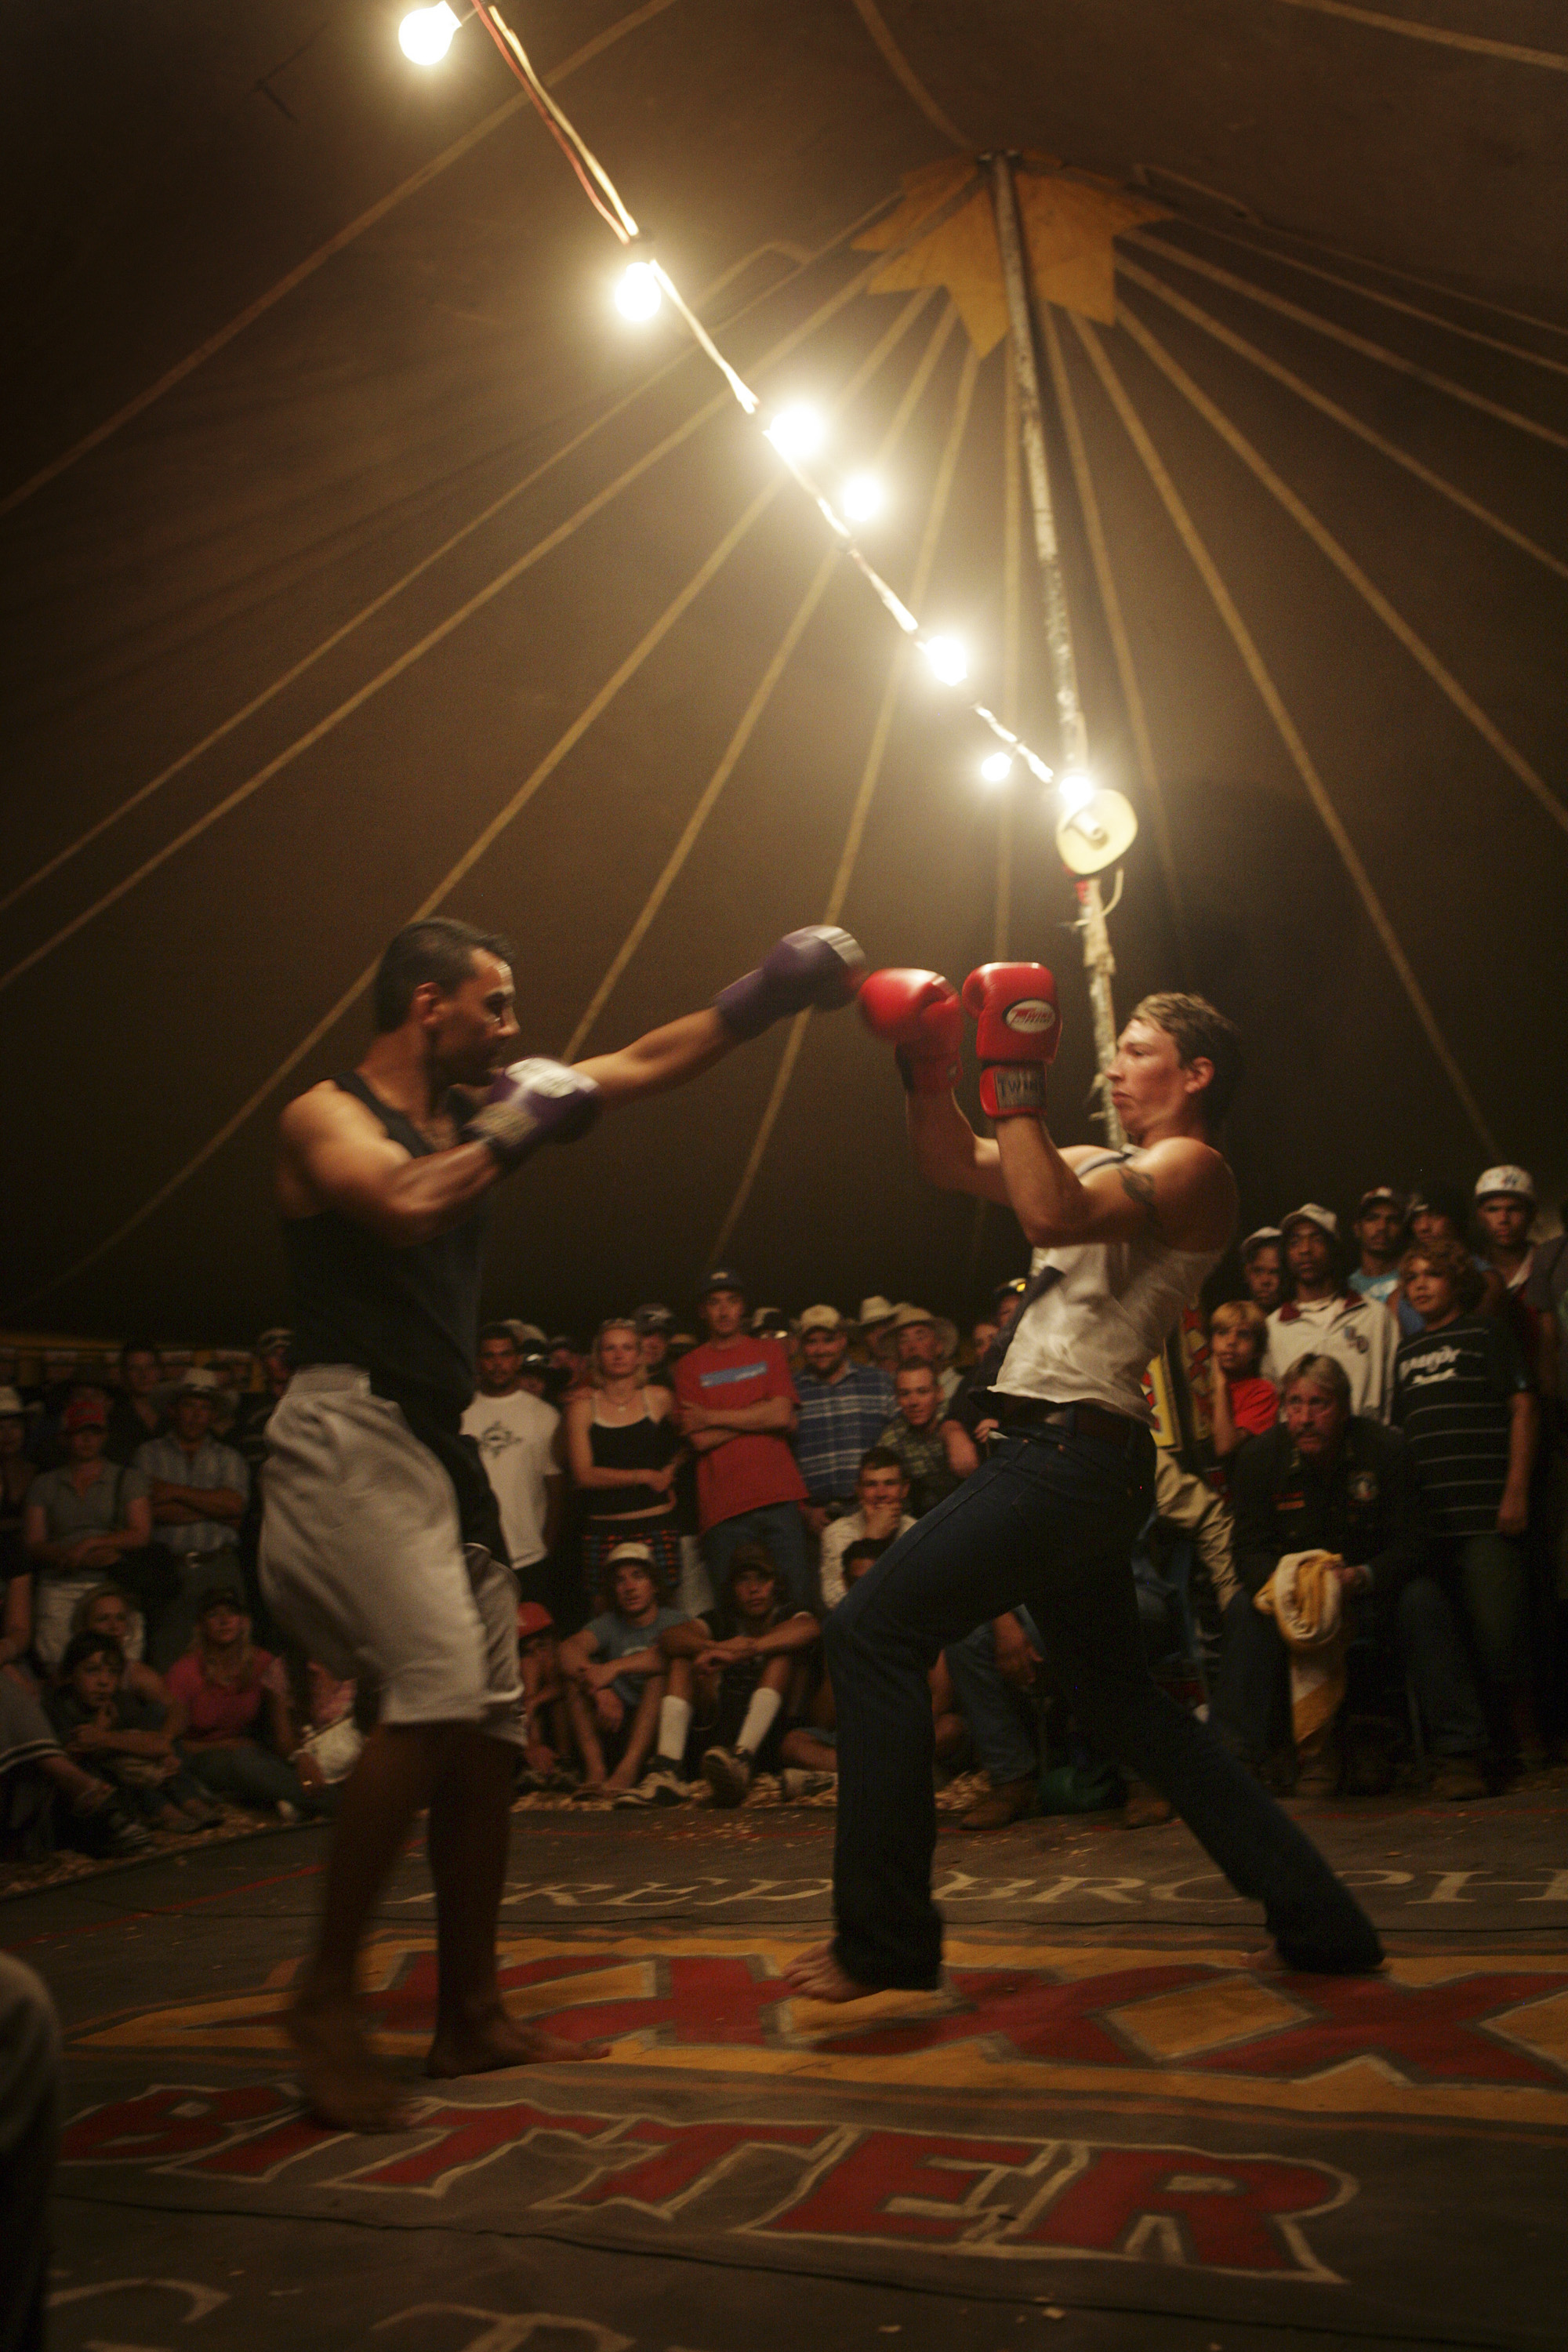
x=661, y=1058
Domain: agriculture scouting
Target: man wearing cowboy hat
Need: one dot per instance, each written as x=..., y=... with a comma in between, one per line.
x=199, y=1489
x=921, y=1337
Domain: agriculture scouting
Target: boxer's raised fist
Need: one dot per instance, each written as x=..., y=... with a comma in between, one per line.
x=1017, y=1029
x=918, y=1012
x=533, y=1102
x=819, y=966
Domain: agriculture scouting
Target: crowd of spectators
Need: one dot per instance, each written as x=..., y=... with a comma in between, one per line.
x=1355, y=1565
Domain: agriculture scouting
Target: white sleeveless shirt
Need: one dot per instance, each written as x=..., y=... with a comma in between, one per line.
x=1090, y=1339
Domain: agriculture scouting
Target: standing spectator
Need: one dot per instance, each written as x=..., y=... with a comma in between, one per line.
x=655, y=1325
x=1263, y=1269
x=738, y=1409
x=914, y=1436
x=1505, y=1209
x=198, y=1486
x=516, y=1434
x=532, y=1368
x=16, y=1475
x=614, y=1672
x=844, y=1407
x=924, y=1339
x=1440, y=1212
x=875, y=1322
x=1379, y=1230
x=970, y=1417
x=1463, y=1398
x=136, y=1414
x=1323, y=1319
x=79, y=1524
x=1326, y=1481
x=881, y=1511
x=622, y=1445
x=248, y=1431
x=238, y=1731
x=1242, y=1404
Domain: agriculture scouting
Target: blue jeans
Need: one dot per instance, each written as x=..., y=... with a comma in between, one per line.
x=1049, y=1520
x=781, y=1530
x=1252, y=1694
x=1006, y=1740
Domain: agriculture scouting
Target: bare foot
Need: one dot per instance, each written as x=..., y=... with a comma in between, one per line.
x=816, y=1976
x=484, y=2044
x=344, y=2087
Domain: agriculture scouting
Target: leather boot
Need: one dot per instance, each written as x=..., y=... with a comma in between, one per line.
x=1010, y=1800
x=1145, y=1807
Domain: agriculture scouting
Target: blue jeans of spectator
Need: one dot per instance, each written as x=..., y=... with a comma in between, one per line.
x=1251, y=1696
x=1005, y=1742
x=781, y=1530
x=1048, y=1521
x=250, y=1774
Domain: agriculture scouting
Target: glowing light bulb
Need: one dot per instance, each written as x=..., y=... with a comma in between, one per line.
x=1076, y=789
x=798, y=432
x=425, y=37
x=947, y=658
x=996, y=767
x=639, y=293
x=863, y=497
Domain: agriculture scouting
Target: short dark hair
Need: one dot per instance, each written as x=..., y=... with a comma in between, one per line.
x=1201, y=1034
x=866, y=1548
x=82, y=1646
x=137, y=1348
x=437, y=949
x=501, y=1331
x=883, y=1457
x=753, y=1555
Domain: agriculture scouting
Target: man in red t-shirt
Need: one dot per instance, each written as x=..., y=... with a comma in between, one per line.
x=738, y=1409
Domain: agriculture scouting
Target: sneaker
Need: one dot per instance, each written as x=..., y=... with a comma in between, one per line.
x=728, y=1772
x=124, y=1834
x=661, y=1786
x=1457, y=1778
x=797, y=1780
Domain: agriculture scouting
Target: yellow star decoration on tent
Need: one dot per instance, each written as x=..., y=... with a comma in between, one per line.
x=1070, y=221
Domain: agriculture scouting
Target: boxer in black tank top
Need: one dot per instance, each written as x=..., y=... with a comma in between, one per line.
x=383, y=1176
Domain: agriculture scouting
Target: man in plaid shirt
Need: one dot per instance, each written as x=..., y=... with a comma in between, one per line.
x=844, y=1407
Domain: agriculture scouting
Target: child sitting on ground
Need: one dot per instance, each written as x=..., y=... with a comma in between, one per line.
x=124, y=1739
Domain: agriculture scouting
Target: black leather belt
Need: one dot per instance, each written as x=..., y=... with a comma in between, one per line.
x=1076, y=1420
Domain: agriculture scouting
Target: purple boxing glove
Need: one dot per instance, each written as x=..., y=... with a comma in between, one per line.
x=820, y=966
x=533, y=1102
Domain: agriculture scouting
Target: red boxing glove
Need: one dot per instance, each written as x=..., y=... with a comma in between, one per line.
x=1017, y=1032
x=918, y=1012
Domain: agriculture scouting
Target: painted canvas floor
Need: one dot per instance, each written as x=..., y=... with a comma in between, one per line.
x=1108, y=2128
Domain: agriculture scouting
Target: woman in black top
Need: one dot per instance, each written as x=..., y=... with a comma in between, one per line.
x=621, y=1449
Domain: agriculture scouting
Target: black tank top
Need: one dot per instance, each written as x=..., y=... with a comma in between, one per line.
x=409, y=1318
x=644, y=1445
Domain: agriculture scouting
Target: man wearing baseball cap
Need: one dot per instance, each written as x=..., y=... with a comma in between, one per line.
x=844, y=1407
x=737, y=1412
x=1379, y=1230
x=1325, y=1319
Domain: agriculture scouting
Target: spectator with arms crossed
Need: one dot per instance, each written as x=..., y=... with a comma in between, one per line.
x=738, y=1410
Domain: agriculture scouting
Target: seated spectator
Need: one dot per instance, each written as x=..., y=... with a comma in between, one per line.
x=915, y=1436
x=124, y=1740
x=738, y=1410
x=993, y=1672
x=623, y=1445
x=881, y=1511
x=1325, y=1481
x=921, y=1337
x=808, y=1750
x=516, y=1434
x=844, y=1406
x=238, y=1733
x=1440, y=1212
x=1242, y=1404
x=16, y=1475
x=331, y=1735
x=1263, y=1269
x=614, y=1672
x=79, y=1522
x=1379, y=1231
x=45, y=1796
x=547, y=1731
x=1322, y=1318
x=136, y=1414
x=199, y=1489
x=1505, y=1211
x=1464, y=1400
x=743, y=1670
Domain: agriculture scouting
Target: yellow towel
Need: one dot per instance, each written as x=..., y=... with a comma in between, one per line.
x=1303, y=1596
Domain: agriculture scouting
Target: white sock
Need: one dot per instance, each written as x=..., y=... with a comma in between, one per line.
x=760, y=1714
x=674, y=1723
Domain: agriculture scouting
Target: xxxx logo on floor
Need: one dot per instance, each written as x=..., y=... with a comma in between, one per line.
x=1481, y=2037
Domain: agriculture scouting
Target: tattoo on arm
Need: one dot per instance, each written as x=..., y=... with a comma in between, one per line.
x=1137, y=1187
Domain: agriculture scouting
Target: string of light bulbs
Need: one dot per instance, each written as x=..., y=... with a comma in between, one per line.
x=796, y=432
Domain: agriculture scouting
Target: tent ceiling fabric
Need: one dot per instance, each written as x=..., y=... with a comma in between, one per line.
x=359, y=559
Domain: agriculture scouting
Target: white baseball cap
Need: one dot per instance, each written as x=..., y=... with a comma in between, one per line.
x=1316, y=1215
x=1518, y=1182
